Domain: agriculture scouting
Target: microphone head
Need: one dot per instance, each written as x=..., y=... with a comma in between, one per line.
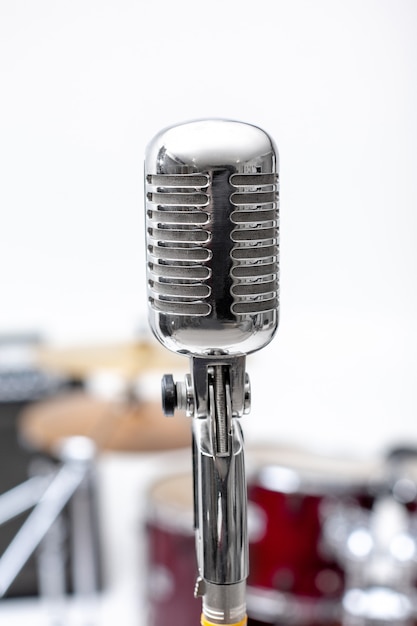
x=212, y=237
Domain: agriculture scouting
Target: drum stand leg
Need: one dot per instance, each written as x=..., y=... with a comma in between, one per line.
x=51, y=560
x=84, y=538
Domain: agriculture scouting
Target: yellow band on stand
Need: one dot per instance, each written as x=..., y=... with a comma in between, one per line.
x=205, y=622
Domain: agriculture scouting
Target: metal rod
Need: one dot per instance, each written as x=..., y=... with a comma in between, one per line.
x=23, y=497
x=84, y=537
x=39, y=522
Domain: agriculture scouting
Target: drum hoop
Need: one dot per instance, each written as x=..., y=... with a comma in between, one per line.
x=169, y=519
x=269, y=606
x=167, y=513
x=283, y=479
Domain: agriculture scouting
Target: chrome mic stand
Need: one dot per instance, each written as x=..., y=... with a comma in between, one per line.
x=217, y=393
x=212, y=269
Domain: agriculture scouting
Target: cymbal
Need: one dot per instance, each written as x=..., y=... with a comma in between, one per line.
x=113, y=426
x=127, y=359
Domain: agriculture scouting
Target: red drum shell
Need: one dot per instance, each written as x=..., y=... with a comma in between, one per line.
x=171, y=559
x=291, y=568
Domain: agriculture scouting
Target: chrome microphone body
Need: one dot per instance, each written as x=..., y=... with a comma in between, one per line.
x=212, y=272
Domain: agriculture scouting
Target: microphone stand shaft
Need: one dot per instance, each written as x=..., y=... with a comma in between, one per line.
x=220, y=498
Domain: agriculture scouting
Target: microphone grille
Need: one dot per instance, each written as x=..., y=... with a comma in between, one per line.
x=255, y=236
x=176, y=232
x=178, y=229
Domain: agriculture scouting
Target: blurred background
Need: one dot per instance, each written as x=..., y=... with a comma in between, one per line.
x=84, y=86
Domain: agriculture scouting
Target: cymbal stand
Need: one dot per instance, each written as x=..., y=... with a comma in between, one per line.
x=48, y=495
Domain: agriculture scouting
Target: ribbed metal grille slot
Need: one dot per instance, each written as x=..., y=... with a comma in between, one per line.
x=177, y=273
x=256, y=238
x=255, y=197
x=178, y=199
x=192, y=292
x=181, y=272
x=258, y=252
x=178, y=180
x=252, y=289
x=178, y=217
x=187, y=255
x=258, y=217
x=181, y=308
x=260, y=271
x=253, y=180
x=260, y=234
x=251, y=307
x=170, y=235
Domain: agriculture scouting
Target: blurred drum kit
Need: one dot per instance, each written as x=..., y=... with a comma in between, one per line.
x=332, y=541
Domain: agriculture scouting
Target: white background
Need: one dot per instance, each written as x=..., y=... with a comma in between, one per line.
x=84, y=86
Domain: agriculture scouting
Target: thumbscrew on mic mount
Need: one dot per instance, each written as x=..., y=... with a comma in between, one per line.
x=169, y=395
x=177, y=395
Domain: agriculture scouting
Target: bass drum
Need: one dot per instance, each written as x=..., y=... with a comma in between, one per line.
x=294, y=576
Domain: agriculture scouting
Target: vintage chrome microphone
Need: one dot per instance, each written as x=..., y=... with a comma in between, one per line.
x=212, y=271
